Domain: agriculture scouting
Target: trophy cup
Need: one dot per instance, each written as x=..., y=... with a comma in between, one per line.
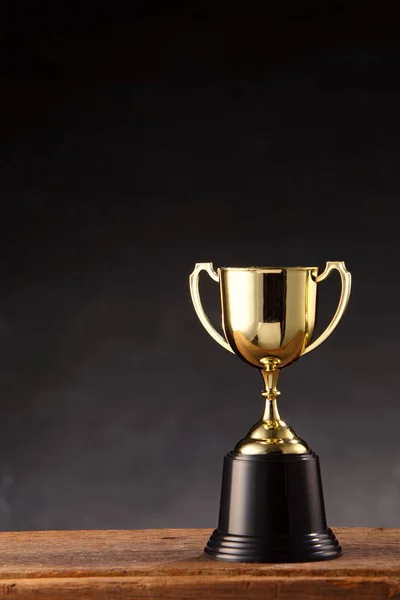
x=272, y=507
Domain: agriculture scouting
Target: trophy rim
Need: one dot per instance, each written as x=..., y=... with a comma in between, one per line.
x=267, y=268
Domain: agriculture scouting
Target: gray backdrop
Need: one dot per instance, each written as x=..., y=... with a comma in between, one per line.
x=116, y=406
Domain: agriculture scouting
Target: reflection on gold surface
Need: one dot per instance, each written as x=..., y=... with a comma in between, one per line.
x=268, y=318
x=255, y=355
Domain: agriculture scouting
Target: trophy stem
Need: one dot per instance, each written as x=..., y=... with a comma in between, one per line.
x=270, y=375
x=271, y=434
x=271, y=412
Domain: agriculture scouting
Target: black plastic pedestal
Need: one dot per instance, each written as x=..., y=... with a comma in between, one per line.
x=272, y=510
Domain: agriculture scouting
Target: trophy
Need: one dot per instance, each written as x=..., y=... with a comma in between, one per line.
x=272, y=506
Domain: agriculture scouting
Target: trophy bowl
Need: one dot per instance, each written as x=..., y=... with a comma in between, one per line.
x=272, y=507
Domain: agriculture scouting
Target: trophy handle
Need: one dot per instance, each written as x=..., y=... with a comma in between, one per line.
x=194, y=291
x=345, y=277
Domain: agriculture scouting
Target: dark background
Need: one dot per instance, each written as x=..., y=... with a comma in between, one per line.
x=134, y=144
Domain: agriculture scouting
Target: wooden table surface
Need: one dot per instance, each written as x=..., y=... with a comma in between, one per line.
x=169, y=563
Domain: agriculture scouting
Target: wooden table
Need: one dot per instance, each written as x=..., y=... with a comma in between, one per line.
x=169, y=563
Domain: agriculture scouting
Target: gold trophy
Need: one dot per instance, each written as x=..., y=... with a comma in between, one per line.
x=272, y=507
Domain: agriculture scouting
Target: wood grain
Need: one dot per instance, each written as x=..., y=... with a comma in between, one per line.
x=169, y=563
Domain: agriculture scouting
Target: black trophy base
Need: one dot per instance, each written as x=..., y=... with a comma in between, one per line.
x=272, y=510
x=275, y=549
